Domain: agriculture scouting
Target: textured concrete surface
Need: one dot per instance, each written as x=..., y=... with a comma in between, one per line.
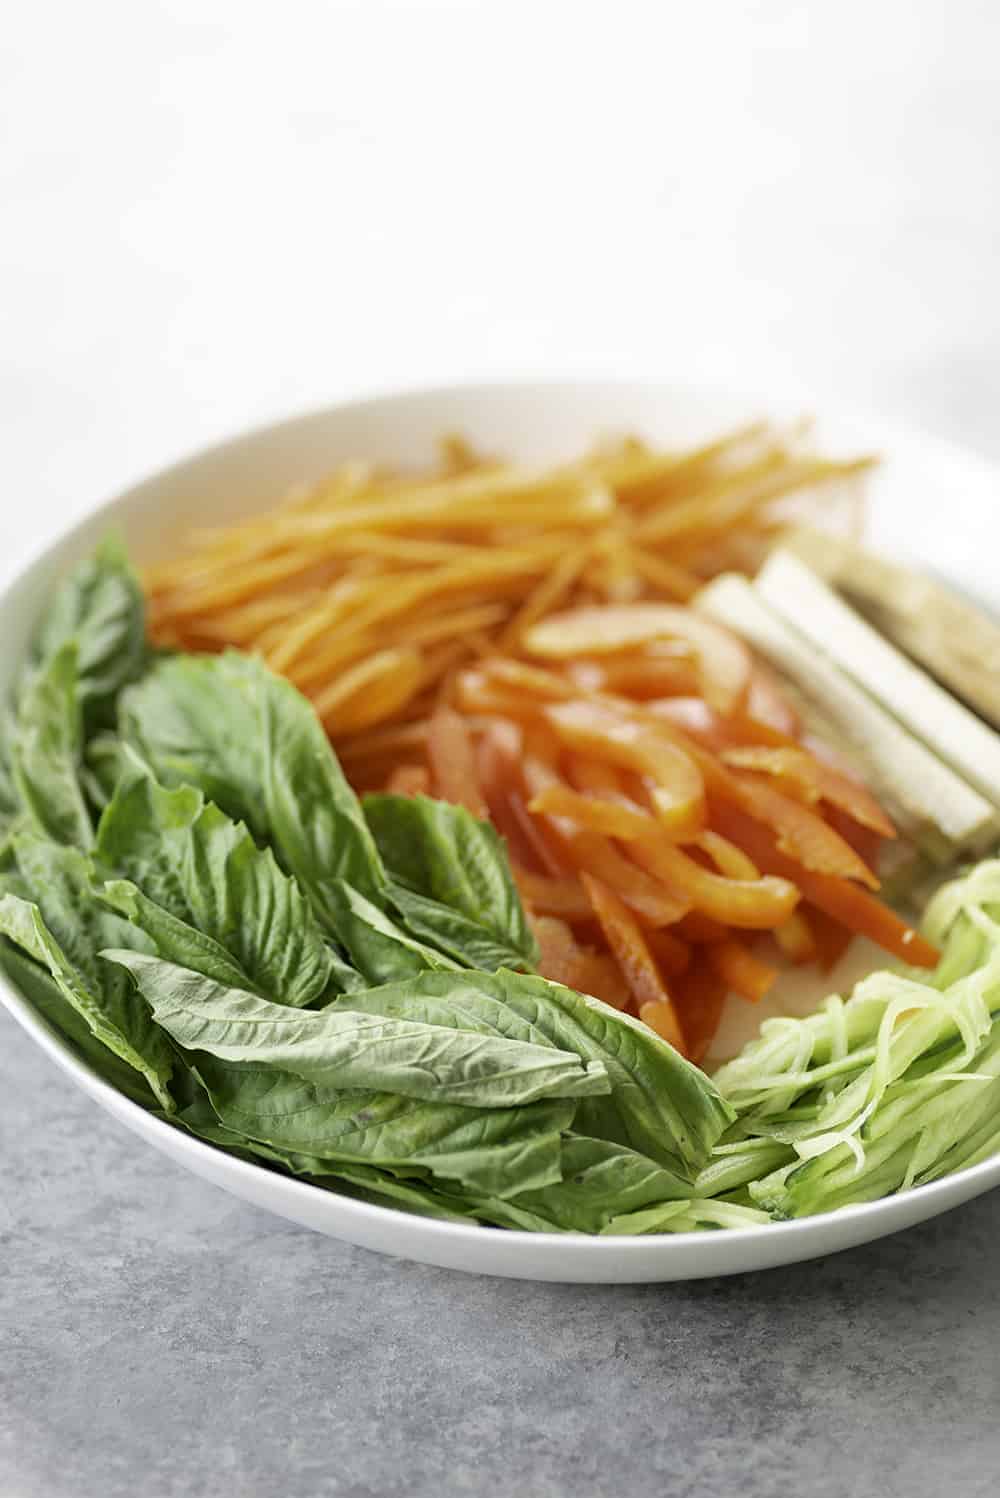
x=159, y=1338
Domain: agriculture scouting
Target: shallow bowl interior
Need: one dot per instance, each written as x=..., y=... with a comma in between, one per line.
x=929, y=501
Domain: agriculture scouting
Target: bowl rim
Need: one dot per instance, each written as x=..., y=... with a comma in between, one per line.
x=49, y=551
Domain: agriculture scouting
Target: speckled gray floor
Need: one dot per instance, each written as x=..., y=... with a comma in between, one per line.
x=159, y=1339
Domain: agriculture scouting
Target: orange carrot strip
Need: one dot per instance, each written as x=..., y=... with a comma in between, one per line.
x=563, y=960
x=803, y=835
x=713, y=731
x=498, y=773
x=724, y=662
x=551, y=851
x=741, y=971
x=865, y=841
x=557, y=949
x=535, y=680
x=475, y=692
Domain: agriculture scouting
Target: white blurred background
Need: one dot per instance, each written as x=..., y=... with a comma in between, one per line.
x=217, y=213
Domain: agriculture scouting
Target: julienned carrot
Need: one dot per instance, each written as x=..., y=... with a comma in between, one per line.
x=550, y=850
x=741, y=971
x=644, y=677
x=804, y=835
x=713, y=731
x=598, y=974
x=848, y=903
x=563, y=960
x=866, y=841
x=557, y=949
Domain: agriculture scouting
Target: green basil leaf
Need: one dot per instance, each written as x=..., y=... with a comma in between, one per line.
x=340, y=1048
x=186, y=860
x=380, y=950
x=600, y=1181
x=100, y=609
x=493, y=1152
x=45, y=751
x=363, y=1182
x=46, y=997
x=253, y=745
x=111, y=1008
x=451, y=881
x=105, y=760
x=659, y=1105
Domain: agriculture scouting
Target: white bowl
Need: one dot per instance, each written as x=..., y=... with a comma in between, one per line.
x=930, y=501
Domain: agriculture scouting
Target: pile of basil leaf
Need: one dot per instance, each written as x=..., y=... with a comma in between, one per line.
x=194, y=898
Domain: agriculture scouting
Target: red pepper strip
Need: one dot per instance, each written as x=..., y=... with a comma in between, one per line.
x=700, y=997
x=626, y=941
x=845, y=902
x=453, y=761
x=831, y=938
x=596, y=854
x=801, y=833
x=814, y=781
x=742, y=972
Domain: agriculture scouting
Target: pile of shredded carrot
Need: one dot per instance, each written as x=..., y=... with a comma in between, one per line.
x=521, y=643
x=369, y=588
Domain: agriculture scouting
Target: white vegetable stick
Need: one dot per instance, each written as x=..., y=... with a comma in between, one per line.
x=955, y=641
x=922, y=795
x=947, y=728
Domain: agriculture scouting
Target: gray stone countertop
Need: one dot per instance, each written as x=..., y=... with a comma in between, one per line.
x=164, y=1340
